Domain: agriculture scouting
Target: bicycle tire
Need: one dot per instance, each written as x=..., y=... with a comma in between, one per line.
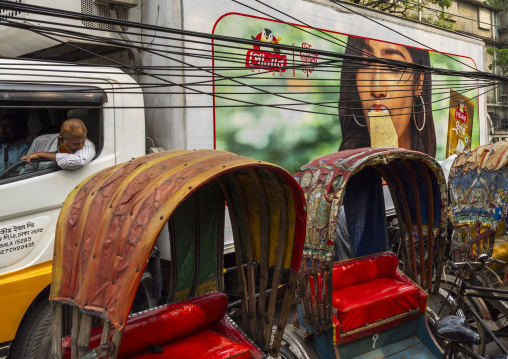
x=464, y=311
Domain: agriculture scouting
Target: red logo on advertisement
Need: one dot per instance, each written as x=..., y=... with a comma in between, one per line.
x=266, y=60
x=460, y=113
x=309, y=60
x=263, y=59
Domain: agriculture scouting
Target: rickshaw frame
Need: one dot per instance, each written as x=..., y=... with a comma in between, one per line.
x=110, y=222
x=419, y=202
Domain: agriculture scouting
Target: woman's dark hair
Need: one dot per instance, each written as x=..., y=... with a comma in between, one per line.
x=350, y=106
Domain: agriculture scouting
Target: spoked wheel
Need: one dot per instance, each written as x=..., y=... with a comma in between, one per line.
x=293, y=346
x=447, y=296
x=473, y=324
x=286, y=353
x=437, y=308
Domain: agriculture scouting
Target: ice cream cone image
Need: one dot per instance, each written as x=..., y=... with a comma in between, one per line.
x=381, y=129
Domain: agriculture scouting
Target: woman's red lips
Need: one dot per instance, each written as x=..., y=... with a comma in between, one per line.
x=378, y=107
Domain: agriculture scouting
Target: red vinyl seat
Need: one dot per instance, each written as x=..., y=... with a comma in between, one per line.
x=203, y=345
x=370, y=289
x=194, y=327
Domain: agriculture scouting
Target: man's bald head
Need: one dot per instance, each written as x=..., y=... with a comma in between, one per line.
x=72, y=135
x=73, y=127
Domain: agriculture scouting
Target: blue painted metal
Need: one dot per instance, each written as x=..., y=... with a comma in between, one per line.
x=377, y=341
x=422, y=332
x=322, y=345
x=408, y=348
x=410, y=340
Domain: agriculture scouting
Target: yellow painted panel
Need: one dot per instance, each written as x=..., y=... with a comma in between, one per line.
x=17, y=291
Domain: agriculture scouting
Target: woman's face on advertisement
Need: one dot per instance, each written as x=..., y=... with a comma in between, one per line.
x=392, y=89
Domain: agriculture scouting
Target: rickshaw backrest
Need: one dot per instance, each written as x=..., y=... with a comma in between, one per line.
x=361, y=270
x=166, y=324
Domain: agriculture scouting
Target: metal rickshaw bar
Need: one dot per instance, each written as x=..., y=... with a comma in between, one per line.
x=413, y=274
x=174, y=260
x=251, y=304
x=238, y=256
x=264, y=231
x=416, y=196
x=430, y=232
x=197, y=244
x=283, y=225
x=220, y=239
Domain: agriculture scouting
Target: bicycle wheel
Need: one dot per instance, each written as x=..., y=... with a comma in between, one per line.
x=437, y=307
x=448, y=296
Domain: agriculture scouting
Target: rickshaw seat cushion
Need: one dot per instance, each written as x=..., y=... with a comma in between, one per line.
x=372, y=288
x=369, y=302
x=206, y=344
x=165, y=324
x=364, y=269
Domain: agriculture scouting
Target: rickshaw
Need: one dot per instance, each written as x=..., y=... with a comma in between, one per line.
x=478, y=185
x=354, y=301
x=106, y=234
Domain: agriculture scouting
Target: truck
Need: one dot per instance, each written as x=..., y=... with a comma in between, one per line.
x=155, y=75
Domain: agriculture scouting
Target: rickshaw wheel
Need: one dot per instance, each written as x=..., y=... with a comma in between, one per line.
x=286, y=353
x=33, y=341
x=293, y=346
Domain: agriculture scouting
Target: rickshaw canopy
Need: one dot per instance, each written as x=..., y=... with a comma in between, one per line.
x=478, y=184
x=410, y=176
x=110, y=222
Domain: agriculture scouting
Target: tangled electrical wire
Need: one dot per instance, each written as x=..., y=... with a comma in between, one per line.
x=228, y=55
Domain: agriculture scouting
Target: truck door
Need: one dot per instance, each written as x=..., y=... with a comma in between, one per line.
x=30, y=199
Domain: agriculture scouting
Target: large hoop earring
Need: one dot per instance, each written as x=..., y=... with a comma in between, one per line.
x=358, y=123
x=424, y=114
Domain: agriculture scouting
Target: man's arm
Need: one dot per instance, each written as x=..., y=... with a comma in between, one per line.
x=78, y=159
x=48, y=156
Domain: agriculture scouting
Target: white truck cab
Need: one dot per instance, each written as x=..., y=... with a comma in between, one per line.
x=31, y=200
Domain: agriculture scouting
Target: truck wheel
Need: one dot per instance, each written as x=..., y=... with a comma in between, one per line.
x=33, y=339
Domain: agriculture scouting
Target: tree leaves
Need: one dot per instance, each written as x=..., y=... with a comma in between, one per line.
x=501, y=59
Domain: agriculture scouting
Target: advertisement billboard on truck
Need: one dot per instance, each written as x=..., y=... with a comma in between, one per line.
x=291, y=106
